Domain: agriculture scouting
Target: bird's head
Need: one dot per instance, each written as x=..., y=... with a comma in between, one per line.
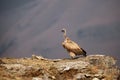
x=63, y=30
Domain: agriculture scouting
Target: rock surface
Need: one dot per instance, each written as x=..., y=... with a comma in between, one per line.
x=92, y=67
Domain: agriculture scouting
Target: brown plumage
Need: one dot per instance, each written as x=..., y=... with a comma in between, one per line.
x=72, y=47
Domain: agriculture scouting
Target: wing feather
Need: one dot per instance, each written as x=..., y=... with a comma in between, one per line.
x=71, y=46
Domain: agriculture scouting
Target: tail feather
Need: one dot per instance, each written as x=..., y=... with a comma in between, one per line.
x=84, y=52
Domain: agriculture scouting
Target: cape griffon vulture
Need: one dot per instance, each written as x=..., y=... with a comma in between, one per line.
x=73, y=48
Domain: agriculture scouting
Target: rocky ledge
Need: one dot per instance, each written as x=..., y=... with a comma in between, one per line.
x=92, y=67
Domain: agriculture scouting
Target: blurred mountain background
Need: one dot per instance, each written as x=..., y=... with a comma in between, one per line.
x=34, y=27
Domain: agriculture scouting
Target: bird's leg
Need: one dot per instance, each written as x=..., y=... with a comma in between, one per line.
x=72, y=55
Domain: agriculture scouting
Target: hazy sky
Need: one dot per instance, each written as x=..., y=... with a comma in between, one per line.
x=34, y=26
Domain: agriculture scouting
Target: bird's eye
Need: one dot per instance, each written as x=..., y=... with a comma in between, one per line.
x=62, y=30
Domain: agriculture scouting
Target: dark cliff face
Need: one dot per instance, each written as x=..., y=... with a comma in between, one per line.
x=92, y=67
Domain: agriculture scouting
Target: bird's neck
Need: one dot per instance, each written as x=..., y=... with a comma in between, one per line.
x=65, y=36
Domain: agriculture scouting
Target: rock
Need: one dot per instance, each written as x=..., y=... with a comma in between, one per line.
x=38, y=57
x=79, y=76
x=95, y=79
x=1, y=62
x=36, y=78
x=61, y=66
x=92, y=67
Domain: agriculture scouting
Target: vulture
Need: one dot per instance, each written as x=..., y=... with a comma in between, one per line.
x=73, y=48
